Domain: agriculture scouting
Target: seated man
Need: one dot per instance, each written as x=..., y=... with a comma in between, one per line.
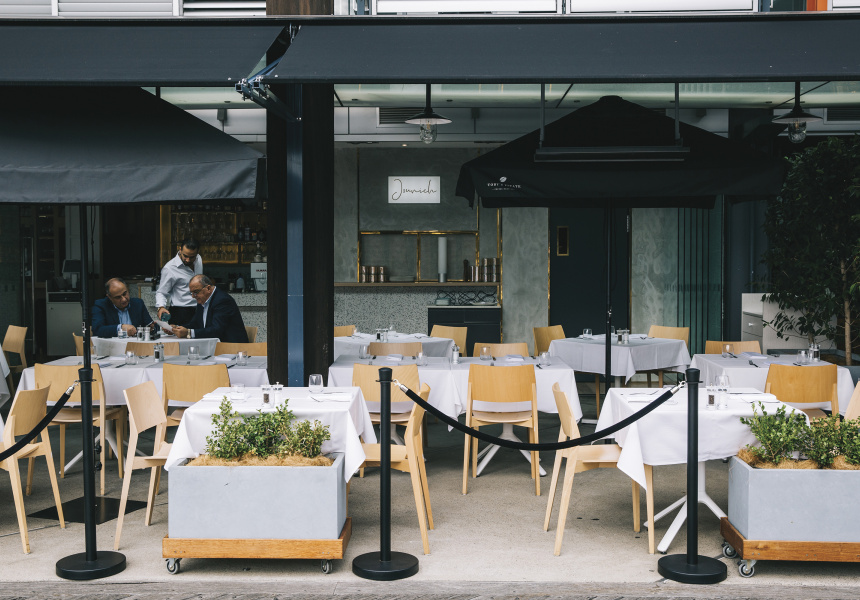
x=117, y=311
x=217, y=315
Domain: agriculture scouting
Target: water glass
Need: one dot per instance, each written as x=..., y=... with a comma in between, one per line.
x=723, y=383
x=130, y=358
x=586, y=332
x=625, y=336
x=241, y=358
x=123, y=334
x=485, y=353
x=193, y=352
x=315, y=383
x=802, y=357
x=728, y=350
x=421, y=359
x=238, y=391
x=544, y=359
x=363, y=352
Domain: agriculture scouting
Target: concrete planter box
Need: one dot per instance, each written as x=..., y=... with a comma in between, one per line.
x=801, y=505
x=295, y=503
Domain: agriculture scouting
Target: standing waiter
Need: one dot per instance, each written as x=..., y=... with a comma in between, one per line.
x=172, y=296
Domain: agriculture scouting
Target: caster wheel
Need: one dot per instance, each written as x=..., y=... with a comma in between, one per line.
x=326, y=566
x=746, y=571
x=173, y=565
x=728, y=551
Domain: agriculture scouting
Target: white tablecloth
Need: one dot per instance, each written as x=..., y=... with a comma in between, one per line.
x=742, y=374
x=449, y=383
x=345, y=413
x=589, y=355
x=117, y=379
x=432, y=346
x=116, y=346
x=660, y=438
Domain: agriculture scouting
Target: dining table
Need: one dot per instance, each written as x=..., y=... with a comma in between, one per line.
x=660, y=438
x=750, y=369
x=342, y=409
x=431, y=346
x=115, y=346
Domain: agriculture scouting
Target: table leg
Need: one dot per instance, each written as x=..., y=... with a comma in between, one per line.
x=491, y=449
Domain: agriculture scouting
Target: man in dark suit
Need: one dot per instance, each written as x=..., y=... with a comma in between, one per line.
x=117, y=311
x=217, y=315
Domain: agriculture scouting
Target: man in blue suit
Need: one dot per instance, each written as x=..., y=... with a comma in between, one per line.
x=217, y=314
x=117, y=311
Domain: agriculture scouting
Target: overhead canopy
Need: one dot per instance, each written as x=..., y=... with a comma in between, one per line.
x=509, y=175
x=131, y=52
x=116, y=145
x=713, y=48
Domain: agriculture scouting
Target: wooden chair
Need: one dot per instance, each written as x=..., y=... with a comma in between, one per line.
x=145, y=411
x=15, y=343
x=586, y=458
x=545, y=335
x=500, y=385
x=502, y=350
x=716, y=347
x=384, y=349
x=79, y=344
x=458, y=334
x=409, y=458
x=668, y=333
x=366, y=377
x=804, y=385
x=28, y=409
x=853, y=410
x=58, y=378
x=189, y=383
x=147, y=348
x=344, y=330
x=251, y=332
x=256, y=349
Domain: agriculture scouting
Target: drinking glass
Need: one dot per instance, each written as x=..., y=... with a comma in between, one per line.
x=625, y=336
x=728, y=350
x=586, y=332
x=723, y=383
x=422, y=360
x=485, y=353
x=193, y=353
x=363, y=351
x=242, y=358
x=130, y=358
x=802, y=357
x=238, y=391
x=315, y=383
x=123, y=334
x=545, y=360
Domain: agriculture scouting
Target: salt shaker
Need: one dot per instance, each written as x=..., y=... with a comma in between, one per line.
x=455, y=355
x=156, y=352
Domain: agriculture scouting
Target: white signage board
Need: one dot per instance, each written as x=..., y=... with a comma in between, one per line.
x=414, y=190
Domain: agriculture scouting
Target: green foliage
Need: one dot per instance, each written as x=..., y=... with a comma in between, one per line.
x=263, y=434
x=778, y=434
x=820, y=440
x=849, y=444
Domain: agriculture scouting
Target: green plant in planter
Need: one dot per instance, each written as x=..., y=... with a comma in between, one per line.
x=779, y=434
x=821, y=440
x=849, y=443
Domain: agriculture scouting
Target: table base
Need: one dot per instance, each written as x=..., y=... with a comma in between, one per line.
x=490, y=451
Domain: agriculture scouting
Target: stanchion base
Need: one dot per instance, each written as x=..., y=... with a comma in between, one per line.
x=707, y=570
x=77, y=567
x=369, y=566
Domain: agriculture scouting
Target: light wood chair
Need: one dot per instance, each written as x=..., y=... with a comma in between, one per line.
x=716, y=347
x=256, y=349
x=502, y=350
x=384, y=349
x=58, y=378
x=79, y=344
x=458, y=334
x=15, y=343
x=366, y=377
x=545, y=335
x=668, y=333
x=251, y=332
x=344, y=330
x=145, y=411
x=409, y=458
x=147, y=348
x=500, y=385
x=189, y=383
x=586, y=458
x=28, y=409
x=853, y=410
x=804, y=385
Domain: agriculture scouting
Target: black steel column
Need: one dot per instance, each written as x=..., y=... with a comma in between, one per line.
x=690, y=567
x=607, y=236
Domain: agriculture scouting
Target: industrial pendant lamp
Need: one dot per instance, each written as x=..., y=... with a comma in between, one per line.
x=428, y=120
x=796, y=119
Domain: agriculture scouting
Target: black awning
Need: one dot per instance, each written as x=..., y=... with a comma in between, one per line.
x=139, y=53
x=715, y=48
x=90, y=145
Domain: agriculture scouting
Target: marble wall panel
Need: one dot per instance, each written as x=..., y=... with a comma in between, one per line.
x=654, y=276
x=345, y=214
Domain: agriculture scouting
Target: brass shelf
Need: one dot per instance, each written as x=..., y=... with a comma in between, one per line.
x=419, y=284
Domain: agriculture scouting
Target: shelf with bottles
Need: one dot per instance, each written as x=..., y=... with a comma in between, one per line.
x=226, y=234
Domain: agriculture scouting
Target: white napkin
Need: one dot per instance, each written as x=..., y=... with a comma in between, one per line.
x=225, y=358
x=514, y=358
x=638, y=336
x=332, y=397
x=394, y=357
x=115, y=358
x=754, y=356
x=766, y=398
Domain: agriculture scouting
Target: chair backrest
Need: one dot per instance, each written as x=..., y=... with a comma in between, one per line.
x=60, y=377
x=343, y=330
x=499, y=350
x=413, y=425
x=502, y=384
x=853, y=410
x=29, y=407
x=366, y=377
x=257, y=349
x=716, y=347
x=14, y=342
x=251, y=332
x=79, y=344
x=189, y=383
x=670, y=333
x=802, y=385
x=383, y=349
x=458, y=334
x=544, y=335
x=145, y=407
x=565, y=415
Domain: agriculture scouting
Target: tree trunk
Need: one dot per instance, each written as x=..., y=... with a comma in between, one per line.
x=847, y=303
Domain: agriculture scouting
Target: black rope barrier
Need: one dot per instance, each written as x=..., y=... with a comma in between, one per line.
x=580, y=441
x=29, y=437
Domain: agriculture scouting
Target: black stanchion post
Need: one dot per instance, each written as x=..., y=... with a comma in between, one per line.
x=690, y=567
x=385, y=565
x=91, y=564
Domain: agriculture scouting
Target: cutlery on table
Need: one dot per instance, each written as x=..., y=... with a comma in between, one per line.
x=539, y=367
x=753, y=363
x=231, y=366
x=732, y=355
x=205, y=357
x=120, y=366
x=102, y=357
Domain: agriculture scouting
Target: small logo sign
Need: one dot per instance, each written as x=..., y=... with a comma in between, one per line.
x=503, y=179
x=503, y=185
x=414, y=190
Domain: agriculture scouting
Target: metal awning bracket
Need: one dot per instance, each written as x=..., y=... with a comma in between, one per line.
x=252, y=88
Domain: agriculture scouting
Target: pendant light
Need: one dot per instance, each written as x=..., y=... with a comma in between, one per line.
x=428, y=120
x=796, y=119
